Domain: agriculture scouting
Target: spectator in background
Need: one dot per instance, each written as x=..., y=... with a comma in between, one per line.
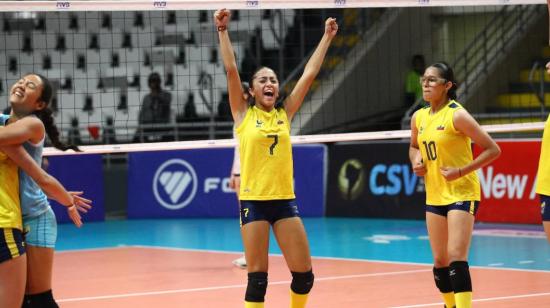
x=109, y=135
x=190, y=110
x=156, y=104
x=74, y=132
x=413, y=88
x=224, y=111
x=154, y=110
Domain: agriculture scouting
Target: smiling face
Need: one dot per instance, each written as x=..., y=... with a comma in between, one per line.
x=265, y=88
x=25, y=95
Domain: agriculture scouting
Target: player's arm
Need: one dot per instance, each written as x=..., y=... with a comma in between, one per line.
x=465, y=123
x=48, y=183
x=414, y=151
x=28, y=128
x=236, y=102
x=293, y=102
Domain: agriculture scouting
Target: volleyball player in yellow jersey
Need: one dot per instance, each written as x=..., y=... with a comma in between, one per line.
x=543, y=174
x=441, y=152
x=267, y=194
x=13, y=261
x=12, y=258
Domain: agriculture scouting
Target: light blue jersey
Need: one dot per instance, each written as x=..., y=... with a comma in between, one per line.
x=33, y=200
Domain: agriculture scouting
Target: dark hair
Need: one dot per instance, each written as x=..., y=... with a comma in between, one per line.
x=447, y=73
x=45, y=115
x=251, y=102
x=154, y=77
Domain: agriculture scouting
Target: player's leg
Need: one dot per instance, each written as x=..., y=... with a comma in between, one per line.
x=292, y=239
x=255, y=234
x=436, y=223
x=461, y=225
x=13, y=268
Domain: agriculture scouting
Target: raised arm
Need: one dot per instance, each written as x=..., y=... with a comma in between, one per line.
x=48, y=183
x=236, y=101
x=296, y=97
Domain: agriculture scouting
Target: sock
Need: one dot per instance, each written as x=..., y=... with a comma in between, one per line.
x=449, y=299
x=443, y=283
x=297, y=300
x=462, y=283
x=253, y=305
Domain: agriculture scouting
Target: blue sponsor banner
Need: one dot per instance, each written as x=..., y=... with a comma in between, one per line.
x=195, y=183
x=79, y=173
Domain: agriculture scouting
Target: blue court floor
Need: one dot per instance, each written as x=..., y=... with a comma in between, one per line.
x=493, y=245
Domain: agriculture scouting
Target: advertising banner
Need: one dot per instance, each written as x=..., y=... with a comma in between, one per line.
x=373, y=180
x=195, y=183
x=508, y=184
x=79, y=173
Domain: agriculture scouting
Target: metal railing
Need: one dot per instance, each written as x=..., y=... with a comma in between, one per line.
x=539, y=93
x=199, y=130
x=487, y=48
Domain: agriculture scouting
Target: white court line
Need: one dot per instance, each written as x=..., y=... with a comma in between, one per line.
x=235, y=286
x=314, y=257
x=489, y=299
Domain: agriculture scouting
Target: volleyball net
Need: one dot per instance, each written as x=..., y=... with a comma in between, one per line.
x=102, y=56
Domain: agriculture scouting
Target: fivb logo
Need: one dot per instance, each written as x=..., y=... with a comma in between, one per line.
x=63, y=5
x=175, y=184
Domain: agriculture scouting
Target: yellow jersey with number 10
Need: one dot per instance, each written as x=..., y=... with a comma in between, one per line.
x=543, y=174
x=266, y=155
x=442, y=145
x=10, y=210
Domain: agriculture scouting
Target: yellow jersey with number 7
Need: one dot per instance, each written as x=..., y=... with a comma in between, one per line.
x=442, y=145
x=266, y=155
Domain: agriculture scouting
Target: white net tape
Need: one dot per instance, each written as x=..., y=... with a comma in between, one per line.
x=304, y=139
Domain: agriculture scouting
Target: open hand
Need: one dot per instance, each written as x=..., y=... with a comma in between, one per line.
x=82, y=204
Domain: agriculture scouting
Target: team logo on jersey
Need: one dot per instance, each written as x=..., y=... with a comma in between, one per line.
x=175, y=184
x=420, y=130
x=280, y=122
x=259, y=123
x=441, y=127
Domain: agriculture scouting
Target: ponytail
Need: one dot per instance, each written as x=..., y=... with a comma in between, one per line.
x=45, y=115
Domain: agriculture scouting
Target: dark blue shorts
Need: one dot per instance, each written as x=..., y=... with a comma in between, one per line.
x=271, y=210
x=545, y=207
x=466, y=206
x=11, y=244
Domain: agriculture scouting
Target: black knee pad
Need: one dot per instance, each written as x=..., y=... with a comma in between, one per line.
x=40, y=300
x=442, y=279
x=460, y=276
x=302, y=282
x=257, y=285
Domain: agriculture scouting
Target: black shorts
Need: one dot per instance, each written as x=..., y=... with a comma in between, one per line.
x=11, y=244
x=466, y=206
x=545, y=207
x=271, y=210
